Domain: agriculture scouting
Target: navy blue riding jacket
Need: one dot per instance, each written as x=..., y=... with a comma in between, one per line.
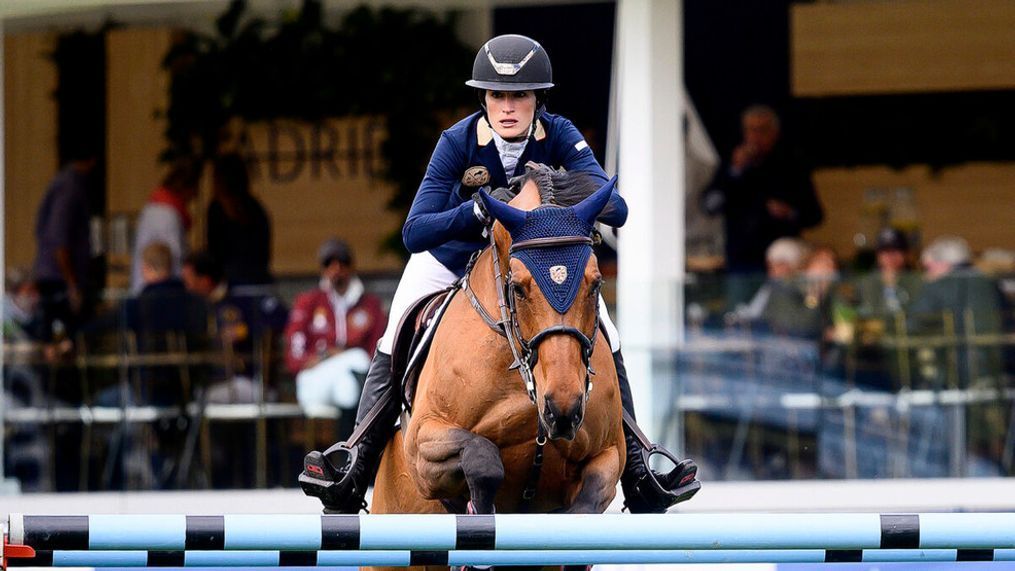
x=441, y=219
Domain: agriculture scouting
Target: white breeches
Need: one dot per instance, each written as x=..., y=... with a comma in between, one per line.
x=424, y=275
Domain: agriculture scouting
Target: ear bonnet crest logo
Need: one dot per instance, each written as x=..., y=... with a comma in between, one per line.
x=558, y=274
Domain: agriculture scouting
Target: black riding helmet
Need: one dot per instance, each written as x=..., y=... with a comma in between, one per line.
x=512, y=63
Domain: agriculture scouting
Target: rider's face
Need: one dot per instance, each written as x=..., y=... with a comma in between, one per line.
x=511, y=112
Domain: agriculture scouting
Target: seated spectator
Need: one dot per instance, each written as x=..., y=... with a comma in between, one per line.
x=242, y=325
x=801, y=306
x=956, y=300
x=881, y=299
x=165, y=319
x=242, y=321
x=26, y=451
x=893, y=287
x=955, y=287
x=21, y=319
x=784, y=260
x=332, y=332
x=163, y=308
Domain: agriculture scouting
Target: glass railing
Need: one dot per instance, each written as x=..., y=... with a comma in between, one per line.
x=825, y=387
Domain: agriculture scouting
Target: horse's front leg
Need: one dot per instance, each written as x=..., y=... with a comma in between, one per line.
x=598, y=484
x=450, y=459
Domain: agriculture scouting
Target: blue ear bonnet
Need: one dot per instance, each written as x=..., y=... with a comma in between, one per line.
x=548, y=266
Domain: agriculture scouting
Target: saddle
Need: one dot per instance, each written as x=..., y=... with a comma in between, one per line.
x=413, y=339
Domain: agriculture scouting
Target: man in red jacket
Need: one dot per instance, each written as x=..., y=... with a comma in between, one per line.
x=332, y=332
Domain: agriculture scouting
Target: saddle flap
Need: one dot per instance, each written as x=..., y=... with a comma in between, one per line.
x=413, y=339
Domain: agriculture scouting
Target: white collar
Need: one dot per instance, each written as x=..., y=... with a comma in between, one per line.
x=352, y=295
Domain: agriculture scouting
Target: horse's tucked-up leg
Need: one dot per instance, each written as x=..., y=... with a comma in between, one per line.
x=450, y=459
x=598, y=484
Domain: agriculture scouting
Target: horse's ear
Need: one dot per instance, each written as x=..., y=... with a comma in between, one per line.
x=509, y=216
x=588, y=210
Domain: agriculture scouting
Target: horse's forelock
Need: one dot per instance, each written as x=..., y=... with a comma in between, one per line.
x=558, y=187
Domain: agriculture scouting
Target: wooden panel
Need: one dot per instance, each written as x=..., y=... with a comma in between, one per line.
x=319, y=180
x=31, y=152
x=136, y=92
x=136, y=99
x=975, y=201
x=879, y=46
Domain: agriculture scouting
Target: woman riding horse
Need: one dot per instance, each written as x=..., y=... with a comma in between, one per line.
x=486, y=436
x=445, y=226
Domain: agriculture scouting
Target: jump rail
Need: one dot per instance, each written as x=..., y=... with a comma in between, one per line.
x=507, y=539
x=481, y=557
x=527, y=532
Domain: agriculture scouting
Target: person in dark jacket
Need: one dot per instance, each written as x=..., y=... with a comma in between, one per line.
x=958, y=300
x=763, y=194
x=239, y=229
x=509, y=135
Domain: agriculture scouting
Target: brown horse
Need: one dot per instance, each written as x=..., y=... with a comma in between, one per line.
x=473, y=432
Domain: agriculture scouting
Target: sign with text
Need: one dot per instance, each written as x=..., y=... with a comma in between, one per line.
x=318, y=180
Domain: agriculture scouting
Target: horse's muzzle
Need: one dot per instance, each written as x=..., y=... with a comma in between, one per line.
x=562, y=423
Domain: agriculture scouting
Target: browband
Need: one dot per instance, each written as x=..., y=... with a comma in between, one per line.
x=551, y=243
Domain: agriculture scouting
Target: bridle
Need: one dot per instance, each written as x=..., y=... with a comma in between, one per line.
x=525, y=352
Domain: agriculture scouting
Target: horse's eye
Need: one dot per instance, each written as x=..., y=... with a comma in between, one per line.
x=596, y=287
x=519, y=292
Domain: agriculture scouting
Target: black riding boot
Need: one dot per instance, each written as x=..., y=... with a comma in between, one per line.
x=645, y=490
x=341, y=488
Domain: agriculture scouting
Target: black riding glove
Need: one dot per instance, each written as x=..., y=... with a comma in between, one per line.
x=502, y=194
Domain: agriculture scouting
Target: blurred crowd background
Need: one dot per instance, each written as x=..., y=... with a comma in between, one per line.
x=204, y=202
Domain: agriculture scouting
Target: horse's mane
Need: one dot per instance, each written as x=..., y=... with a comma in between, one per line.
x=556, y=187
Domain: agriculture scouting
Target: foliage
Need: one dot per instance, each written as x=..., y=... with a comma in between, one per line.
x=403, y=64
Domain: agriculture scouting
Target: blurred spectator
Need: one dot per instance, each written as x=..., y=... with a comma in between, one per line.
x=164, y=303
x=893, y=287
x=26, y=452
x=957, y=301
x=802, y=307
x=332, y=332
x=245, y=323
x=163, y=308
x=165, y=218
x=763, y=193
x=821, y=272
x=881, y=299
x=956, y=290
x=64, y=253
x=239, y=229
x=784, y=258
x=245, y=327
x=21, y=305
x=165, y=320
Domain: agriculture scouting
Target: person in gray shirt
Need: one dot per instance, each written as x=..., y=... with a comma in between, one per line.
x=64, y=247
